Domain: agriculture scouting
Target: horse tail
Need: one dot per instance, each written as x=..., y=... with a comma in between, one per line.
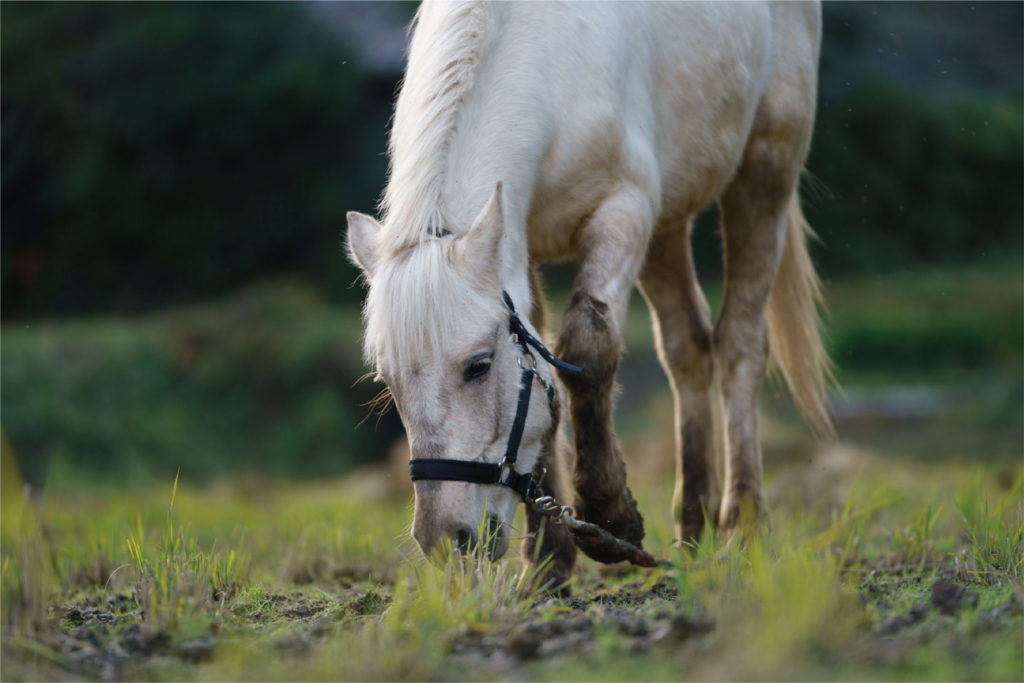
x=793, y=325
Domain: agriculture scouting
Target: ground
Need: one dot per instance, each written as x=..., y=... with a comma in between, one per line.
x=911, y=577
x=896, y=552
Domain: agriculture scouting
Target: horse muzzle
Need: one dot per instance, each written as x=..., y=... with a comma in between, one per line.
x=489, y=539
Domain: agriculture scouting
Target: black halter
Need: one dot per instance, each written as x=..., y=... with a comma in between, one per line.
x=503, y=473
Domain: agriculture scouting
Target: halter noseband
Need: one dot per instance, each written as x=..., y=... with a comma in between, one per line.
x=504, y=473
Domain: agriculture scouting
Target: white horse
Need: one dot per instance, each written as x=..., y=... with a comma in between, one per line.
x=546, y=131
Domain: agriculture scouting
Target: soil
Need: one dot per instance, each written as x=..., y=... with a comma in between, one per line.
x=107, y=636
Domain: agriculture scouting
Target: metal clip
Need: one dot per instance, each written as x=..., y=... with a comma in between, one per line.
x=533, y=363
x=543, y=473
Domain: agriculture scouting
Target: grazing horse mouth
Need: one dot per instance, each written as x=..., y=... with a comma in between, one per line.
x=494, y=542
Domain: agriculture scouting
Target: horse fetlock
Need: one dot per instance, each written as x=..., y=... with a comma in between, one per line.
x=741, y=509
x=693, y=513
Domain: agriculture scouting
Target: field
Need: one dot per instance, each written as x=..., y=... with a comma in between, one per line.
x=895, y=553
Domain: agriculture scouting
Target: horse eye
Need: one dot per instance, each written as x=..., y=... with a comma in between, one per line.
x=477, y=367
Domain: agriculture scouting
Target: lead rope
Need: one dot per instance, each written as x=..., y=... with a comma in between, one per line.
x=591, y=535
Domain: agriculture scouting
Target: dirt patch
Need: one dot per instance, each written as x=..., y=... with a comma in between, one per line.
x=369, y=602
x=103, y=644
x=936, y=599
x=640, y=619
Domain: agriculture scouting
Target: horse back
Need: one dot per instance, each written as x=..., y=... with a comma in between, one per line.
x=661, y=96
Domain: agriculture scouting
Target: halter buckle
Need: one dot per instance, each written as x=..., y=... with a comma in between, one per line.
x=505, y=473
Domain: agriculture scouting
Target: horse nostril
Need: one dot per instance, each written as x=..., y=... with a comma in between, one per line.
x=495, y=531
x=493, y=527
x=465, y=539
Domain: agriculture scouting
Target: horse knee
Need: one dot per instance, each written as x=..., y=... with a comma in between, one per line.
x=587, y=339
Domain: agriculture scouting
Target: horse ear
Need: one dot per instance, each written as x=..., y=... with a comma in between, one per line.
x=480, y=248
x=362, y=241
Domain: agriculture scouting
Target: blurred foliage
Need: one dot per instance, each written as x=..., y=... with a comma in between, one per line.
x=929, y=321
x=264, y=380
x=159, y=152
x=898, y=179
x=258, y=382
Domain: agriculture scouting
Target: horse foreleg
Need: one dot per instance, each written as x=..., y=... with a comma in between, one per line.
x=612, y=246
x=548, y=549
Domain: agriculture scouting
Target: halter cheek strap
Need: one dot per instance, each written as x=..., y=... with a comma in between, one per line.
x=503, y=473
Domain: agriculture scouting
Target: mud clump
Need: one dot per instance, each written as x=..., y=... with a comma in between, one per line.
x=80, y=615
x=1013, y=607
x=369, y=602
x=683, y=627
x=535, y=640
x=633, y=596
x=896, y=623
x=539, y=638
x=949, y=598
x=299, y=610
x=197, y=649
x=143, y=641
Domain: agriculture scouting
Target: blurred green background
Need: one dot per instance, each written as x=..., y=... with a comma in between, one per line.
x=174, y=183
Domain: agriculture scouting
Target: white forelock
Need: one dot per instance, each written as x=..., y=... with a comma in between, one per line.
x=416, y=304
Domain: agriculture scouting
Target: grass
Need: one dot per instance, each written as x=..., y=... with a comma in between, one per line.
x=298, y=582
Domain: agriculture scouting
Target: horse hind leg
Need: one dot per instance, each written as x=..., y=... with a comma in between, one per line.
x=754, y=225
x=682, y=327
x=613, y=244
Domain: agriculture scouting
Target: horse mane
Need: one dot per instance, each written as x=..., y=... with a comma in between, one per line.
x=446, y=49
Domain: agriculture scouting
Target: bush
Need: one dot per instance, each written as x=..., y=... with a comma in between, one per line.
x=154, y=153
x=903, y=180
x=262, y=381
